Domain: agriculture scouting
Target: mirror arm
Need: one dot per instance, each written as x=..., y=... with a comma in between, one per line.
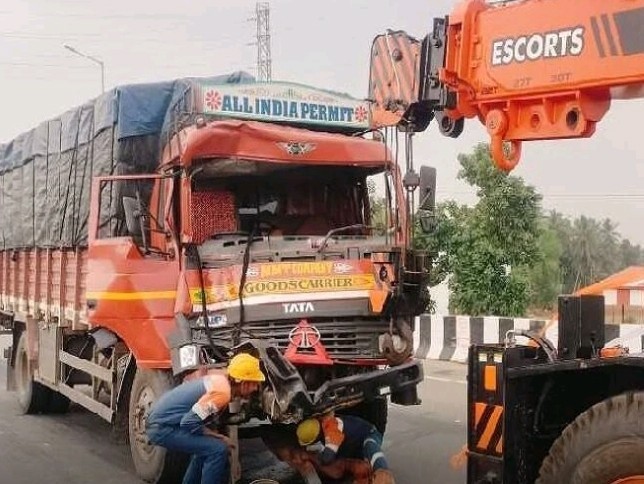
x=142, y=217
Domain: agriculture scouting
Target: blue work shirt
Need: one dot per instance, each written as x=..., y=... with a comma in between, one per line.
x=190, y=404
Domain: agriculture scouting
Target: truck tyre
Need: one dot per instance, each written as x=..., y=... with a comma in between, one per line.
x=601, y=446
x=32, y=396
x=153, y=464
x=375, y=412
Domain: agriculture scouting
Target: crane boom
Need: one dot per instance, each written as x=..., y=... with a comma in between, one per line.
x=528, y=70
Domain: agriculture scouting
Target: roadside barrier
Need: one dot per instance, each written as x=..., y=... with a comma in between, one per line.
x=449, y=337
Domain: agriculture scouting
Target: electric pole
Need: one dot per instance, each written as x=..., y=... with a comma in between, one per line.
x=262, y=20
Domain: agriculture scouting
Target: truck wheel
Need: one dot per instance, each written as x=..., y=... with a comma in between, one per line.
x=153, y=464
x=603, y=445
x=32, y=396
x=375, y=412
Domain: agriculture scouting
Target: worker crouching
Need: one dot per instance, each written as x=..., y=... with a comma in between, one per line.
x=178, y=420
x=345, y=445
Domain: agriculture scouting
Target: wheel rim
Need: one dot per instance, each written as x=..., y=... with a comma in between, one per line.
x=143, y=404
x=630, y=480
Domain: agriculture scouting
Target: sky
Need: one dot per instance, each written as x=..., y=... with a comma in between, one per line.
x=324, y=44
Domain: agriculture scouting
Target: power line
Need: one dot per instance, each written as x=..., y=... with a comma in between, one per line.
x=562, y=196
x=113, y=37
x=94, y=16
x=38, y=65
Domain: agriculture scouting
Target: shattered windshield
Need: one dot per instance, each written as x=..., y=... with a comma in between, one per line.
x=309, y=201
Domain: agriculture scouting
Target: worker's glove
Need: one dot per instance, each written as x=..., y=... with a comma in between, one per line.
x=316, y=448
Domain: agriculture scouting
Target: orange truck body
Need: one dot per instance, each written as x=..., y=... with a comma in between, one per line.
x=250, y=228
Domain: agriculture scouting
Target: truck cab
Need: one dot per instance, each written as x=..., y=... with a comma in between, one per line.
x=257, y=230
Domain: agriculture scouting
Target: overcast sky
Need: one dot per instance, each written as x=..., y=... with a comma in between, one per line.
x=325, y=44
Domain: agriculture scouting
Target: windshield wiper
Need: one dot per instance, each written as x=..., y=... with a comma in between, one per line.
x=332, y=232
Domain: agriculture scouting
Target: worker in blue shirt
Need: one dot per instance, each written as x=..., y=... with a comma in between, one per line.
x=346, y=443
x=178, y=420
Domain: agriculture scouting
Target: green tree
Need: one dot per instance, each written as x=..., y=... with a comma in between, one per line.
x=378, y=209
x=546, y=275
x=562, y=227
x=442, y=244
x=630, y=255
x=590, y=250
x=488, y=248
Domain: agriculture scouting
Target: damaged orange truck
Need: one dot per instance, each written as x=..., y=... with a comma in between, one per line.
x=162, y=227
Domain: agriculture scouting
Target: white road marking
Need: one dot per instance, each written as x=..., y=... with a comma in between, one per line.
x=445, y=380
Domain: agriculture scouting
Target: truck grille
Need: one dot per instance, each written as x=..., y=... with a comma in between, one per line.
x=355, y=338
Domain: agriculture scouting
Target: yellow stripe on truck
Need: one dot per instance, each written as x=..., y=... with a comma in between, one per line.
x=131, y=296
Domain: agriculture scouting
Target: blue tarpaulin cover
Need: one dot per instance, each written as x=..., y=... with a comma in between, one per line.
x=46, y=173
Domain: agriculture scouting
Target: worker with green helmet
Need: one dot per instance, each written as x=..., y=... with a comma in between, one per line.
x=349, y=440
x=179, y=419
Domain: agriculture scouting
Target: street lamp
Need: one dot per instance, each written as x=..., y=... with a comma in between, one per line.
x=93, y=59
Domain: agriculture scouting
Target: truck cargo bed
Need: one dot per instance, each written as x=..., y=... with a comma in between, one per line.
x=48, y=284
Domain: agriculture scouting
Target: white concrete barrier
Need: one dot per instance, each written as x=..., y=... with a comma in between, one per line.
x=449, y=337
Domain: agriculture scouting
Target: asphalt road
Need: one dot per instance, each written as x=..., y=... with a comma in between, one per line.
x=78, y=448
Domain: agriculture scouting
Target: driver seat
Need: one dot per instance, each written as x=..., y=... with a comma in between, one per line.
x=314, y=225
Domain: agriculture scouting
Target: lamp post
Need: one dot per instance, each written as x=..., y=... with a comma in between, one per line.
x=93, y=59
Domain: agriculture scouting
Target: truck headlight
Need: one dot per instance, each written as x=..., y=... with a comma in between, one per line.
x=188, y=356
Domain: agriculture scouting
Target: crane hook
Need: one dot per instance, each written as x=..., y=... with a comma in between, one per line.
x=496, y=123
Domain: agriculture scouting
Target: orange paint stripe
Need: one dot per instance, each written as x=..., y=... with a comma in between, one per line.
x=479, y=408
x=410, y=52
x=486, y=436
x=131, y=296
x=499, y=446
x=380, y=76
x=402, y=70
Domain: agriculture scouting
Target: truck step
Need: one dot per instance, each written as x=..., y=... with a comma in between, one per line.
x=86, y=401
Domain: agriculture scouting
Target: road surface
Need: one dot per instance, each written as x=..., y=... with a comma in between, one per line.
x=78, y=448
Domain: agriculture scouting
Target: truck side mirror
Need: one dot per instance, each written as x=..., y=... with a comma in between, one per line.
x=427, y=188
x=427, y=199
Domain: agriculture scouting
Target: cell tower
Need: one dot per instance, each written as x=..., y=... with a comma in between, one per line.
x=262, y=20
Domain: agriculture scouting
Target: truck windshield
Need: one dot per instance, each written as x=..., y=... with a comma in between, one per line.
x=308, y=201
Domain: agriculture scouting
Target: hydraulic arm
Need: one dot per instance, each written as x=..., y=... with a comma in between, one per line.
x=528, y=70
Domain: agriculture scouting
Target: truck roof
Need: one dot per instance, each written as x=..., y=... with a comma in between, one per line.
x=162, y=108
x=251, y=145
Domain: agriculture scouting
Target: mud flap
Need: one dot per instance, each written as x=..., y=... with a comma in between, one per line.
x=485, y=415
x=11, y=374
x=235, y=467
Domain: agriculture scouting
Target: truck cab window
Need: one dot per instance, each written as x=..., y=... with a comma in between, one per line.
x=297, y=205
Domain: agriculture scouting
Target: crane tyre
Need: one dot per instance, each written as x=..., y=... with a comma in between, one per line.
x=603, y=445
x=153, y=464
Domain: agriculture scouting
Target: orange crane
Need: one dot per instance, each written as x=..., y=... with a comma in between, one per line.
x=527, y=69
x=532, y=70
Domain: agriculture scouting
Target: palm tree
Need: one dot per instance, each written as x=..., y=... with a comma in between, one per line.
x=586, y=250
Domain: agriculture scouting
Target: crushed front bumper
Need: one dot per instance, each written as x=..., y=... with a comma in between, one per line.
x=289, y=393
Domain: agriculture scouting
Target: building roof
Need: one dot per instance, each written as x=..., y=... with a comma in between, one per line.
x=630, y=278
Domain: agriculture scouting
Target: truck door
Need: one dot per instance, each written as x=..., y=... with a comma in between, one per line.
x=133, y=265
